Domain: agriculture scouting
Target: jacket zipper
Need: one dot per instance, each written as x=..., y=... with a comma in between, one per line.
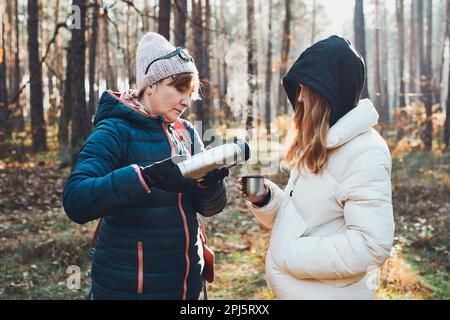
x=186, y=232
x=183, y=216
x=140, y=286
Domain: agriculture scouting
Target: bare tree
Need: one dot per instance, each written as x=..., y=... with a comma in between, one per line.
x=207, y=66
x=80, y=127
x=128, y=50
x=285, y=46
x=251, y=61
x=447, y=116
x=438, y=84
x=401, y=49
x=9, y=47
x=180, y=16
x=38, y=130
x=197, y=51
x=447, y=111
x=5, y=132
x=18, y=112
x=65, y=117
x=145, y=24
x=414, y=41
x=360, y=38
x=222, y=31
x=385, y=108
x=268, y=110
x=51, y=73
x=108, y=71
x=164, y=18
x=425, y=69
x=93, y=59
x=428, y=97
x=378, y=101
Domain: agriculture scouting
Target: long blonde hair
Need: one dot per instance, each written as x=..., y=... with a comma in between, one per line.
x=307, y=148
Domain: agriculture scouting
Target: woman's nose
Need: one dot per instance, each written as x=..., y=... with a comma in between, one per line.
x=186, y=102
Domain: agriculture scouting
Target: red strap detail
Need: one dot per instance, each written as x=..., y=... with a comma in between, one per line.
x=202, y=232
x=208, y=255
x=183, y=134
x=140, y=287
x=94, y=239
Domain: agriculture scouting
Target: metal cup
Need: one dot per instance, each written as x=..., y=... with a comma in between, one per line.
x=253, y=185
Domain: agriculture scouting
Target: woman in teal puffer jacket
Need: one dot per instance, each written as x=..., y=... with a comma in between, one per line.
x=148, y=244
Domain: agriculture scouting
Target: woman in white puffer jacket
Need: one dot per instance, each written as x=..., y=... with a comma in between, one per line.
x=332, y=226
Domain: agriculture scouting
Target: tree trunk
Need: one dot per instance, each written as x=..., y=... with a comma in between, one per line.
x=59, y=65
x=385, y=114
x=52, y=110
x=401, y=49
x=9, y=47
x=378, y=101
x=164, y=18
x=269, y=74
x=360, y=39
x=414, y=42
x=438, y=86
x=447, y=116
x=197, y=51
x=65, y=117
x=424, y=87
x=206, y=66
x=129, y=55
x=52, y=114
x=145, y=24
x=285, y=46
x=447, y=111
x=224, y=107
x=180, y=16
x=427, y=92
x=19, y=121
x=80, y=126
x=38, y=130
x=5, y=132
x=92, y=61
x=251, y=62
x=111, y=82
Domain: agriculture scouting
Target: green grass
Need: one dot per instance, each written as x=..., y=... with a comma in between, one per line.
x=434, y=277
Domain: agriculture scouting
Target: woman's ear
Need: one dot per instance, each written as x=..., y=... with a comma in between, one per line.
x=300, y=94
x=149, y=90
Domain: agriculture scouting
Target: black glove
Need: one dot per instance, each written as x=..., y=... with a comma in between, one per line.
x=214, y=177
x=167, y=176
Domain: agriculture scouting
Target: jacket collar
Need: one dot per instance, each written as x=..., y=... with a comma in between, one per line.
x=114, y=105
x=357, y=121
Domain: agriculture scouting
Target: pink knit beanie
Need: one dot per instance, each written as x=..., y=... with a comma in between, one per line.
x=151, y=47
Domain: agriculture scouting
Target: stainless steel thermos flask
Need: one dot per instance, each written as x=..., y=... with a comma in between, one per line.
x=227, y=155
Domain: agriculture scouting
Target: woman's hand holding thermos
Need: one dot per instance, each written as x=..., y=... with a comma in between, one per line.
x=166, y=175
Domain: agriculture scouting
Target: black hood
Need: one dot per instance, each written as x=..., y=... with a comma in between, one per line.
x=332, y=68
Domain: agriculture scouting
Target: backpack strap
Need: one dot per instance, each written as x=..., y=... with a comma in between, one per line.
x=184, y=135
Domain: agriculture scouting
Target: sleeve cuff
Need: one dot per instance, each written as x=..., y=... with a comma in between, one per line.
x=264, y=201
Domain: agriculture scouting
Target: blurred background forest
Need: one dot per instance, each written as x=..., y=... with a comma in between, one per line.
x=56, y=59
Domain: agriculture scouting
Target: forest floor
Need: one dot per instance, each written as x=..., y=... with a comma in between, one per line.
x=38, y=242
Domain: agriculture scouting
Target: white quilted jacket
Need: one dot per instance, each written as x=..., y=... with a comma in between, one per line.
x=330, y=232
